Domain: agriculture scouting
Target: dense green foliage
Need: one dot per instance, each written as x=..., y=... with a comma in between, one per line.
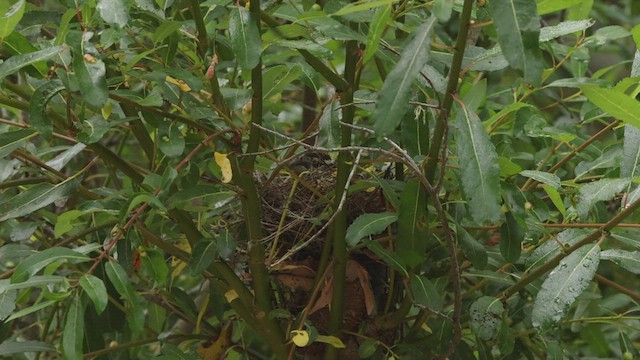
x=278, y=179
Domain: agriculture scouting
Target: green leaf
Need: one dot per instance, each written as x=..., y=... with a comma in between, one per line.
x=442, y=10
x=171, y=141
x=97, y=292
x=630, y=161
x=202, y=256
x=73, y=333
x=7, y=304
x=629, y=260
x=11, y=18
x=543, y=177
x=553, y=247
x=600, y=190
x=12, y=140
x=20, y=347
x=61, y=160
x=518, y=28
x=38, y=106
x=425, y=293
x=486, y=317
x=393, y=101
x=367, y=348
x=376, y=29
x=329, y=126
x=412, y=224
x=472, y=249
x=554, y=195
x=479, y=169
x=245, y=38
x=276, y=79
x=121, y=282
x=564, y=28
x=563, y=285
x=31, y=309
x=114, y=12
x=387, y=257
x=549, y=6
x=32, y=281
x=506, y=338
x=362, y=5
x=35, y=198
x=226, y=244
x=90, y=72
x=511, y=237
x=165, y=29
x=504, y=112
x=34, y=263
x=617, y=104
x=17, y=62
x=93, y=129
x=200, y=197
x=155, y=265
x=368, y=224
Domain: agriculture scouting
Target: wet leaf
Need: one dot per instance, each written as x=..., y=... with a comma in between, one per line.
x=629, y=260
x=35, y=198
x=563, y=285
x=600, y=190
x=12, y=140
x=486, y=317
x=617, y=104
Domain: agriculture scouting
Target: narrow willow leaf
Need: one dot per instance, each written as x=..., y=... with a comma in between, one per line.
x=32, y=281
x=202, y=255
x=33, y=308
x=543, y=177
x=12, y=140
x=121, y=282
x=504, y=112
x=630, y=161
x=154, y=264
x=90, y=72
x=362, y=6
x=39, y=260
x=368, y=224
x=442, y=9
x=11, y=18
x=387, y=257
x=563, y=285
x=329, y=126
x=600, y=190
x=73, y=332
x=368, y=348
x=564, y=28
x=114, y=12
x=518, y=30
x=486, y=316
x=7, y=303
x=629, y=260
x=549, y=6
x=245, y=38
x=506, y=338
x=609, y=159
x=393, y=102
x=17, y=62
x=35, y=198
x=555, y=197
x=553, y=247
x=38, y=106
x=412, y=224
x=479, y=169
x=61, y=160
x=20, y=347
x=277, y=78
x=472, y=249
x=97, y=292
x=378, y=23
x=425, y=293
x=617, y=104
x=511, y=237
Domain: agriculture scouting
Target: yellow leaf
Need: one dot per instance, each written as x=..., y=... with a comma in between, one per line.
x=300, y=338
x=331, y=340
x=179, y=83
x=231, y=295
x=216, y=350
x=225, y=166
x=106, y=110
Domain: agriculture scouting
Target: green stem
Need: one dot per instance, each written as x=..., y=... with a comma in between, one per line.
x=452, y=88
x=203, y=39
x=339, y=227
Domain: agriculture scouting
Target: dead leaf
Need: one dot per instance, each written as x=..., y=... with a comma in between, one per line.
x=218, y=349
